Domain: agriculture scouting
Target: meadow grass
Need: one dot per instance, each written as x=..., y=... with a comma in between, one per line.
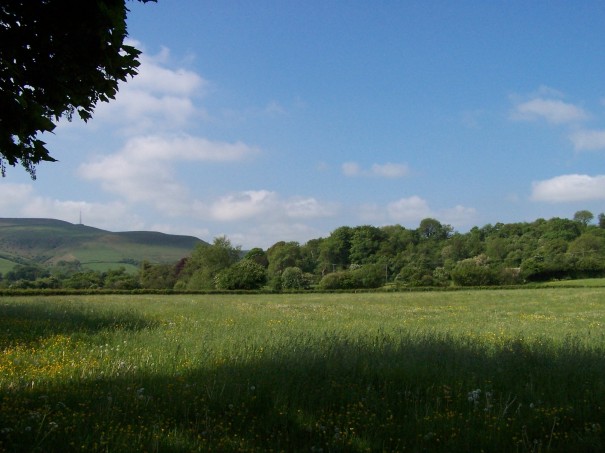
x=592, y=282
x=495, y=371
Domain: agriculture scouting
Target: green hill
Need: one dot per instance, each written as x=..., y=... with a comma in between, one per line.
x=48, y=241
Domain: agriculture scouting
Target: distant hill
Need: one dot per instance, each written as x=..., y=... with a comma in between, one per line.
x=48, y=241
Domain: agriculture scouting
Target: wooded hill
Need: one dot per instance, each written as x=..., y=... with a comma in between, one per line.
x=349, y=258
x=48, y=242
x=431, y=255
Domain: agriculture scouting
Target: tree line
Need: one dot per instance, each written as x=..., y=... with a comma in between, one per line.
x=366, y=256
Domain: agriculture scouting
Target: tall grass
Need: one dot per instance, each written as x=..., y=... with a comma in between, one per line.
x=520, y=370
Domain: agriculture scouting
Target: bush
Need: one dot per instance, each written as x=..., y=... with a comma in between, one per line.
x=474, y=272
x=294, y=278
x=368, y=276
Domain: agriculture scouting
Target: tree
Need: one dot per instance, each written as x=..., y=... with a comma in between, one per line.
x=334, y=250
x=120, y=279
x=294, y=278
x=29, y=272
x=368, y=276
x=433, y=229
x=365, y=243
x=282, y=255
x=257, y=255
x=157, y=276
x=206, y=262
x=473, y=272
x=584, y=217
x=57, y=58
x=245, y=274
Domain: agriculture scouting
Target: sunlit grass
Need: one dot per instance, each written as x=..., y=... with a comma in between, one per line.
x=589, y=282
x=520, y=370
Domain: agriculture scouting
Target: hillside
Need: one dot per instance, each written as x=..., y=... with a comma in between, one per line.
x=48, y=241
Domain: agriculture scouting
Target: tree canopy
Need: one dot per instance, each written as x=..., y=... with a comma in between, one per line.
x=57, y=58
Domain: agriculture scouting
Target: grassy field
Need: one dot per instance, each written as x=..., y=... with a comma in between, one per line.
x=593, y=282
x=494, y=371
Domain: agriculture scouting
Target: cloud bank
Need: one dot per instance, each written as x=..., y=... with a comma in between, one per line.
x=569, y=188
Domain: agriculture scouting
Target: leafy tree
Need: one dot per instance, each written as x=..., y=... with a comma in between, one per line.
x=474, y=272
x=309, y=255
x=57, y=58
x=473, y=243
x=441, y=276
x=588, y=244
x=245, y=274
x=587, y=254
x=119, y=279
x=396, y=240
x=455, y=248
x=27, y=272
x=282, y=255
x=258, y=255
x=64, y=269
x=368, y=276
x=84, y=280
x=433, y=229
x=602, y=220
x=415, y=273
x=557, y=228
x=497, y=248
x=157, y=276
x=294, y=278
x=206, y=261
x=334, y=250
x=584, y=217
x=365, y=243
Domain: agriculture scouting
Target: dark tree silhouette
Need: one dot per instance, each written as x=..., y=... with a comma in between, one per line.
x=57, y=58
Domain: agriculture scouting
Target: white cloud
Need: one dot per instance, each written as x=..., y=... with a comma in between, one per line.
x=410, y=209
x=458, y=216
x=14, y=196
x=568, y=188
x=264, y=204
x=546, y=91
x=552, y=110
x=388, y=170
x=372, y=213
x=588, y=140
x=185, y=147
x=308, y=208
x=21, y=200
x=155, y=78
x=158, y=98
x=413, y=209
x=266, y=234
x=143, y=170
x=351, y=169
x=243, y=205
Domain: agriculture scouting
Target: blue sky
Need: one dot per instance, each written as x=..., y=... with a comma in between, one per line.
x=283, y=120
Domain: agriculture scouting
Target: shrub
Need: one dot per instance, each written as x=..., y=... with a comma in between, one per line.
x=294, y=278
x=368, y=276
x=474, y=272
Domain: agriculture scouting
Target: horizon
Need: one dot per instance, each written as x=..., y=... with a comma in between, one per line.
x=593, y=222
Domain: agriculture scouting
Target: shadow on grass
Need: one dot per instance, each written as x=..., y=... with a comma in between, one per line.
x=382, y=393
x=28, y=323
